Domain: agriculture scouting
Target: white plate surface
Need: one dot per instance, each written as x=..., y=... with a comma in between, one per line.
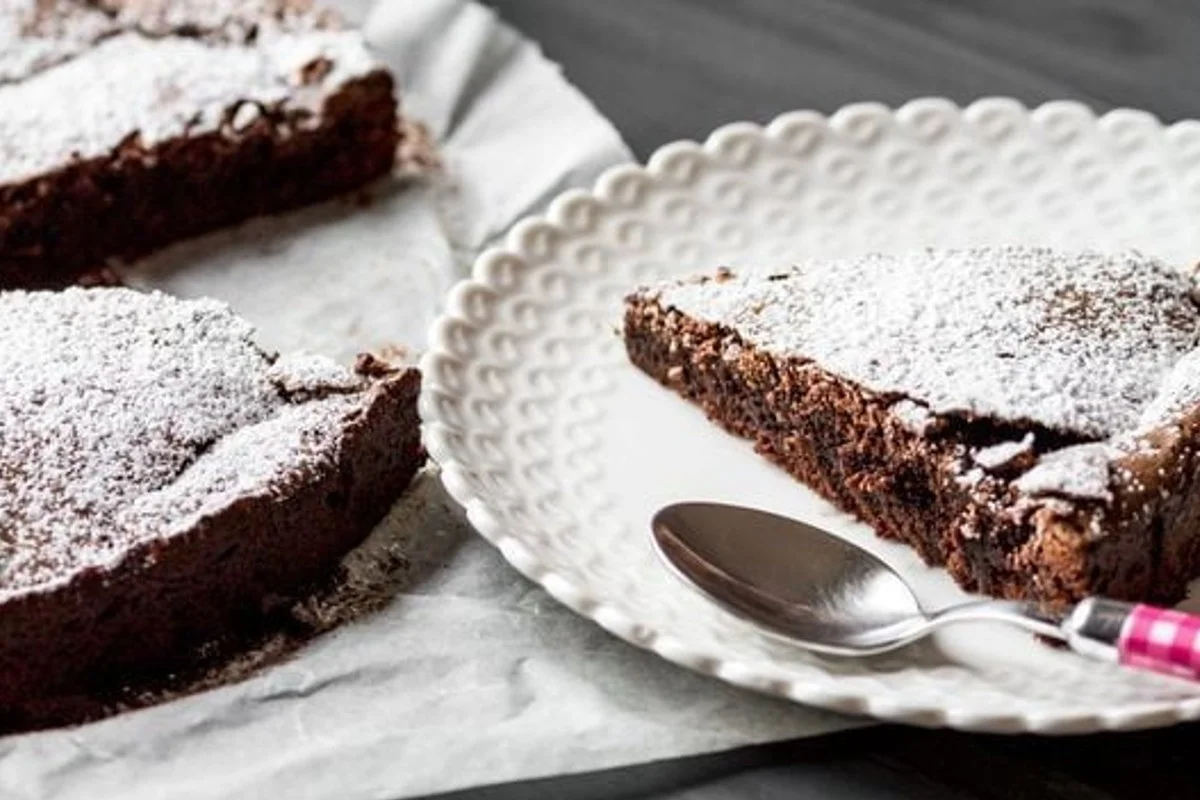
x=560, y=450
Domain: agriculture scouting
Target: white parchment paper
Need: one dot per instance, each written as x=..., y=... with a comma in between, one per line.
x=472, y=675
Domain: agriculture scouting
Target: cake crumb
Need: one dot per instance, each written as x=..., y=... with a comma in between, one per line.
x=999, y=455
x=915, y=417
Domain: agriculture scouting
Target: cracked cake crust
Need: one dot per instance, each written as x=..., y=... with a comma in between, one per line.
x=167, y=484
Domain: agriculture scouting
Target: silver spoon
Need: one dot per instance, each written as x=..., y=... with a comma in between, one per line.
x=831, y=596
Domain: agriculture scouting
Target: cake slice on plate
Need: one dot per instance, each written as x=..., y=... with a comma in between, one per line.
x=126, y=125
x=1027, y=417
x=165, y=482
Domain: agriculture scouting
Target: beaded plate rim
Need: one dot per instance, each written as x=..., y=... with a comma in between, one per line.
x=525, y=243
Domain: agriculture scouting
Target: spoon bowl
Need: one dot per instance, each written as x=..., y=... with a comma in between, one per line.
x=789, y=577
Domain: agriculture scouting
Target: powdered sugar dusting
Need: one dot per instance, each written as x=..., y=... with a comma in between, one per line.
x=1080, y=471
x=230, y=20
x=1003, y=453
x=913, y=416
x=1076, y=342
x=122, y=80
x=36, y=35
x=308, y=373
x=1179, y=392
x=972, y=477
x=297, y=442
x=107, y=396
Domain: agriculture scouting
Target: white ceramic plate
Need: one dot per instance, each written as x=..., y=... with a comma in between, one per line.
x=560, y=450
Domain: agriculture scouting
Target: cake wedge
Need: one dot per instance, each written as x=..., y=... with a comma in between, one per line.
x=1027, y=417
x=126, y=125
x=166, y=483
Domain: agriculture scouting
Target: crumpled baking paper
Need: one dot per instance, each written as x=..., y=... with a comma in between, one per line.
x=471, y=675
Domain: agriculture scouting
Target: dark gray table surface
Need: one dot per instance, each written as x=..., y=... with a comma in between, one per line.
x=669, y=69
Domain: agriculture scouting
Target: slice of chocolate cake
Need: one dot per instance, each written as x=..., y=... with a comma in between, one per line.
x=165, y=482
x=1028, y=418
x=129, y=124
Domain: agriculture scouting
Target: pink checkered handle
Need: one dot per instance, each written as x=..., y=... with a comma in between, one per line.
x=1159, y=639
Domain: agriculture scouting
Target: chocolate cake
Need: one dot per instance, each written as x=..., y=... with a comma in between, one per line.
x=129, y=124
x=1027, y=417
x=164, y=482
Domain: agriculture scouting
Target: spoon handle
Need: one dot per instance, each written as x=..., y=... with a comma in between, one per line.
x=1136, y=635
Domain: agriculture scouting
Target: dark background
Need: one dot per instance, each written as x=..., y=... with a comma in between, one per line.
x=670, y=69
